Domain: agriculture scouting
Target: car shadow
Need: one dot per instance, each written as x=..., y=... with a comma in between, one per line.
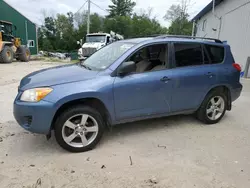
x=151, y=125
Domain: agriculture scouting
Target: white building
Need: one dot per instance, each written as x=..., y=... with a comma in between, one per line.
x=230, y=21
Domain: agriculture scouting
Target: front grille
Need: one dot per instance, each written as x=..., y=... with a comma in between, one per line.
x=88, y=51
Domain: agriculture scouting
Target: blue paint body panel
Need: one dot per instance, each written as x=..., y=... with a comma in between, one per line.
x=132, y=97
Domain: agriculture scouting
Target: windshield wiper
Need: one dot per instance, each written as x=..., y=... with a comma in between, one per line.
x=85, y=66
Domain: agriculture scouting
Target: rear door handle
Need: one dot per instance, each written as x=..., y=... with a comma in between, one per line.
x=210, y=74
x=165, y=79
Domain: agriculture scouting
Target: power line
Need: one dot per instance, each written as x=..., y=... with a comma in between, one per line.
x=81, y=7
x=99, y=7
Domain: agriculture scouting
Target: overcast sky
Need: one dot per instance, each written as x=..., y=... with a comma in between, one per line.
x=33, y=9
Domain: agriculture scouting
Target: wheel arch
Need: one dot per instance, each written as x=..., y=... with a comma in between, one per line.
x=89, y=101
x=3, y=44
x=226, y=90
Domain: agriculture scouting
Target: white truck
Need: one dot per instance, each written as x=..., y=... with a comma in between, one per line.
x=95, y=41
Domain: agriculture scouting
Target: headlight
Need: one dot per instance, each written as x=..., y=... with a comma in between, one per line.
x=36, y=94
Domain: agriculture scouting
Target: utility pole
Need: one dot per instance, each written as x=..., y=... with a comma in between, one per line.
x=88, y=21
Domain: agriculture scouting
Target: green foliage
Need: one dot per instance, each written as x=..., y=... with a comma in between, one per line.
x=58, y=34
x=47, y=45
x=144, y=26
x=180, y=27
x=61, y=33
x=121, y=8
x=96, y=22
x=178, y=16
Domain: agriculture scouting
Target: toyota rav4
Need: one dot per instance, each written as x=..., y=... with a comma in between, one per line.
x=126, y=81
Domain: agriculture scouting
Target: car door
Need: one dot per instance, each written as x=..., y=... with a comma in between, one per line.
x=192, y=78
x=142, y=94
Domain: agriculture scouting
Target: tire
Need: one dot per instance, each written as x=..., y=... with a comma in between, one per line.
x=6, y=55
x=23, y=54
x=77, y=130
x=207, y=106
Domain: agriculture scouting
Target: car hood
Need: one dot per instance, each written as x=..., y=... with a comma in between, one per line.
x=56, y=75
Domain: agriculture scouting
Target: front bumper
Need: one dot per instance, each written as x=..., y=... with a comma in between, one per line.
x=34, y=117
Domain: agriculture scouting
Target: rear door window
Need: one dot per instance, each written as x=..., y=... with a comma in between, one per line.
x=216, y=53
x=188, y=54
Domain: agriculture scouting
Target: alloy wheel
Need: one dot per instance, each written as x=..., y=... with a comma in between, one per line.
x=215, y=108
x=80, y=130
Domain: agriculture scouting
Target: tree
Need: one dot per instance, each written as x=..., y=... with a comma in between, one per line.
x=144, y=26
x=180, y=27
x=65, y=32
x=121, y=8
x=61, y=32
x=119, y=24
x=50, y=26
x=96, y=23
x=80, y=18
x=47, y=45
x=178, y=16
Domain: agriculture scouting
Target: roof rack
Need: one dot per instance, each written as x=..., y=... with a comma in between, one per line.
x=146, y=36
x=188, y=37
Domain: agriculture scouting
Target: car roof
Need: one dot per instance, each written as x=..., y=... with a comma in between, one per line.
x=173, y=39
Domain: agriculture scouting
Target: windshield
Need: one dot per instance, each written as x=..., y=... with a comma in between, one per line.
x=7, y=29
x=107, y=55
x=95, y=38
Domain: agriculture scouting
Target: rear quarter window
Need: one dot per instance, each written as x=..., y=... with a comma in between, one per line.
x=216, y=53
x=188, y=54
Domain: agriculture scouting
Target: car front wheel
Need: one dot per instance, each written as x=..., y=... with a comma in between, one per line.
x=79, y=129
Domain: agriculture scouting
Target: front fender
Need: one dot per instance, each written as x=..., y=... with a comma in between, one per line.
x=77, y=96
x=82, y=90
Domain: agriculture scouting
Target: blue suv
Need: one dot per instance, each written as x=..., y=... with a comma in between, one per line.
x=126, y=81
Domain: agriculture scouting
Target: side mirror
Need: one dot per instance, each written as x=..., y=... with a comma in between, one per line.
x=77, y=42
x=126, y=68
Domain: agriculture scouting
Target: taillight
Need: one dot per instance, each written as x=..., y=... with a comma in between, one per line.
x=237, y=67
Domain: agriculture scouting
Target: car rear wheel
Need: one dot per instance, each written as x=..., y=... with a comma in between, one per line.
x=79, y=129
x=213, y=107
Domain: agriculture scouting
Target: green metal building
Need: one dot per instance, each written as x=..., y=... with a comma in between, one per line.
x=26, y=29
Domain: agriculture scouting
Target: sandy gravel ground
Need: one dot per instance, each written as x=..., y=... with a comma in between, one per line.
x=166, y=153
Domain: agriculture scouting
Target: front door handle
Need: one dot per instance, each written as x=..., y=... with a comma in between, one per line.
x=165, y=79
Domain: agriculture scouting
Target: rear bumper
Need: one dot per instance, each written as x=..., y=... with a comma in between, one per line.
x=34, y=117
x=236, y=91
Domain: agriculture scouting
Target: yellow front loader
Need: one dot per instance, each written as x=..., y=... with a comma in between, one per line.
x=10, y=46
